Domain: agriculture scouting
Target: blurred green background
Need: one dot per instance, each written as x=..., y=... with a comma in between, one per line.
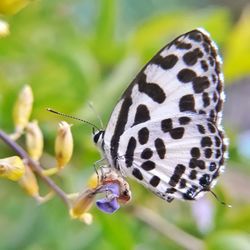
x=80, y=51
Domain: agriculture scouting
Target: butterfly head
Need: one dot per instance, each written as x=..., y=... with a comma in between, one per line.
x=98, y=137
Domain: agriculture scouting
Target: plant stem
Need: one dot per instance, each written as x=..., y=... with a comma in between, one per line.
x=35, y=166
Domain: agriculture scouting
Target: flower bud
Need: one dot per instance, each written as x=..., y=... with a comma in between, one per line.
x=63, y=144
x=4, y=29
x=29, y=183
x=93, y=181
x=23, y=108
x=34, y=140
x=87, y=218
x=81, y=205
x=12, y=168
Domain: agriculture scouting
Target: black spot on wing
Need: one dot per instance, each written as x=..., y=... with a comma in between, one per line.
x=182, y=45
x=160, y=148
x=219, y=86
x=205, y=99
x=186, y=75
x=195, y=152
x=200, y=83
x=201, y=129
x=137, y=174
x=167, y=62
x=177, y=133
x=183, y=183
x=206, y=46
x=204, y=65
x=193, y=163
x=148, y=165
x=154, y=181
x=147, y=153
x=190, y=194
x=205, y=180
x=166, y=125
x=143, y=135
x=211, y=61
x=218, y=154
x=208, y=153
x=129, y=155
x=206, y=141
x=153, y=90
x=195, y=35
x=212, y=115
x=187, y=103
x=202, y=112
x=178, y=172
x=184, y=120
x=120, y=127
x=215, y=97
x=191, y=57
x=218, y=107
x=193, y=174
x=211, y=127
x=213, y=78
x=141, y=115
x=171, y=190
x=212, y=166
x=217, y=141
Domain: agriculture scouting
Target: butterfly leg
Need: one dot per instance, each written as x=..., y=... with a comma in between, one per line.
x=99, y=167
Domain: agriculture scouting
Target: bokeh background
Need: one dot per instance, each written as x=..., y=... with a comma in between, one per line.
x=80, y=51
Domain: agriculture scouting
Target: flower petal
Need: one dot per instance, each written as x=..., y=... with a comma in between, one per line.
x=108, y=206
x=113, y=188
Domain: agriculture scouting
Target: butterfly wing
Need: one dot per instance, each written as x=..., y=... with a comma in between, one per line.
x=173, y=157
x=173, y=106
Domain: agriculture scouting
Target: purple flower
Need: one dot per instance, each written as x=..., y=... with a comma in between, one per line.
x=109, y=204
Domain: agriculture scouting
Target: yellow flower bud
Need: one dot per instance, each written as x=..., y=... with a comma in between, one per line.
x=12, y=168
x=23, y=108
x=11, y=7
x=93, y=181
x=87, y=218
x=29, y=183
x=34, y=140
x=4, y=29
x=81, y=205
x=63, y=145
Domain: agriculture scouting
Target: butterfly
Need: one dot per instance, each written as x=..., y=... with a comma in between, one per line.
x=165, y=131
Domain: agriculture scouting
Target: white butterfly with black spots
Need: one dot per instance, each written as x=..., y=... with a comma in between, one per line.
x=165, y=131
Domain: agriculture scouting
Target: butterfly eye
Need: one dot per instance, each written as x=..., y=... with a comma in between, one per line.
x=97, y=136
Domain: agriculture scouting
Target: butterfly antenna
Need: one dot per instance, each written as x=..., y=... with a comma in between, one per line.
x=96, y=114
x=72, y=117
x=217, y=198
